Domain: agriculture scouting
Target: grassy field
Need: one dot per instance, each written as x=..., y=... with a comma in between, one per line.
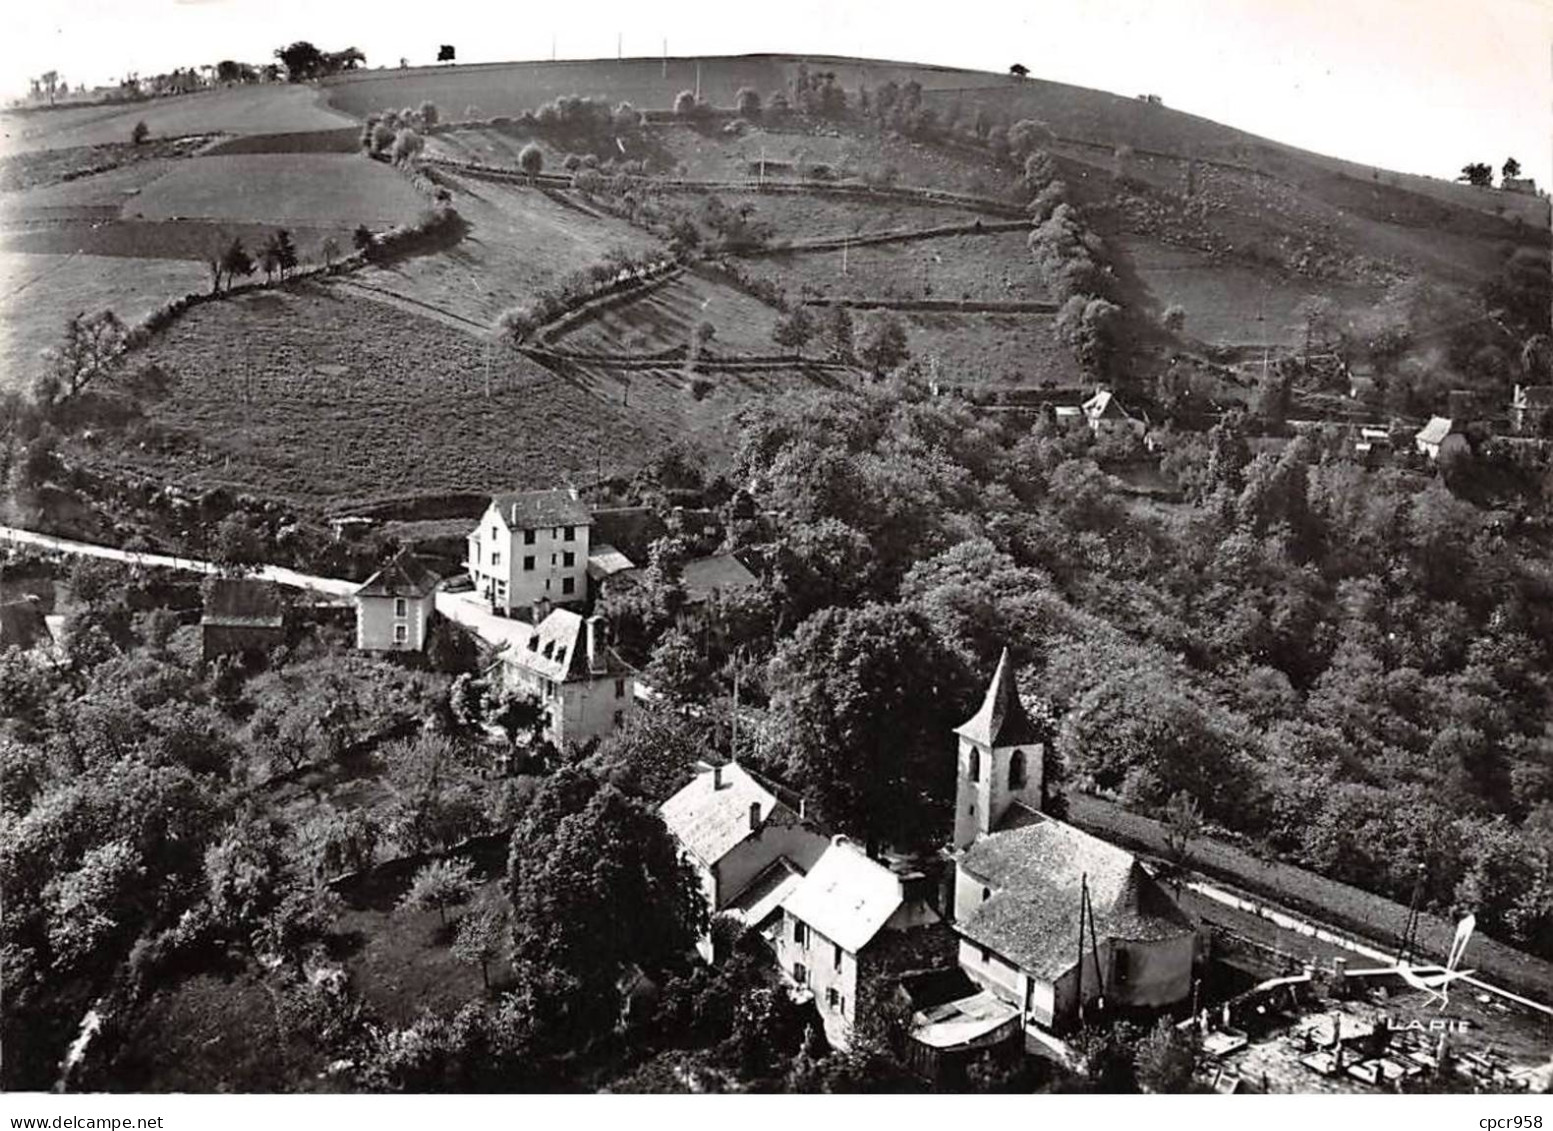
x=669, y=315
x=519, y=241
x=994, y=267
x=272, y=108
x=38, y=292
x=301, y=189
x=317, y=397
x=991, y=349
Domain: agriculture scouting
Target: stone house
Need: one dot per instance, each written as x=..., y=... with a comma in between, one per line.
x=242, y=617
x=585, y=689
x=394, y=607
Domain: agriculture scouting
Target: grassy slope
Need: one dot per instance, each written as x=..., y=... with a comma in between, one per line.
x=669, y=315
x=309, y=188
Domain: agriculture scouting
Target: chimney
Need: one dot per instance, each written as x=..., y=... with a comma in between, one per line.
x=754, y=816
x=540, y=609
x=595, y=626
x=717, y=776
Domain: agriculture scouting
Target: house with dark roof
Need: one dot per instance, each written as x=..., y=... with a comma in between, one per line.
x=242, y=617
x=583, y=686
x=394, y=607
x=838, y=924
x=531, y=547
x=707, y=579
x=749, y=849
x=1000, y=760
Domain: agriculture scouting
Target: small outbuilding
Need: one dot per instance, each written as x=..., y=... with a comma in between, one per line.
x=242, y=617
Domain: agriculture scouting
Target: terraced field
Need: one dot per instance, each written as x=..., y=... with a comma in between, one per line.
x=668, y=316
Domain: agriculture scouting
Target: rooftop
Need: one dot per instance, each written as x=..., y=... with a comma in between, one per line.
x=846, y=896
x=710, y=817
x=405, y=576
x=1002, y=719
x=606, y=561
x=1435, y=431
x=557, y=648
x=530, y=510
x=763, y=896
x=1036, y=873
x=240, y=601
x=718, y=573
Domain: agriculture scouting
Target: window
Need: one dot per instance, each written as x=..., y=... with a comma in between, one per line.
x=528, y=537
x=986, y=894
x=620, y=688
x=401, y=633
x=831, y=996
x=800, y=932
x=620, y=717
x=974, y=772
x=571, y=534
x=528, y=561
x=493, y=534
x=496, y=557
x=986, y=956
x=568, y=585
x=547, y=585
x=1016, y=770
x=568, y=559
x=800, y=975
x=552, y=559
x=838, y=956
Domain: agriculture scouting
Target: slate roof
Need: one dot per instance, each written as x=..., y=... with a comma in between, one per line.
x=556, y=648
x=711, y=821
x=1002, y=719
x=763, y=896
x=1435, y=431
x=405, y=576
x=1032, y=918
x=606, y=561
x=846, y=896
x=238, y=601
x=22, y=625
x=531, y=510
x=720, y=572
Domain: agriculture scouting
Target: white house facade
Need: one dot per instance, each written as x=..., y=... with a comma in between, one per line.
x=586, y=691
x=529, y=548
x=394, y=607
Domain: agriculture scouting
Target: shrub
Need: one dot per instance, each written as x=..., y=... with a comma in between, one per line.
x=139, y=133
x=747, y=102
x=531, y=159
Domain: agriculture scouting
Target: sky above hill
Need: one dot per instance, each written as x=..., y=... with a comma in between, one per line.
x=1417, y=85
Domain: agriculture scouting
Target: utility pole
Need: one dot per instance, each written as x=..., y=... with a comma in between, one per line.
x=620, y=52
x=665, y=56
x=844, y=242
x=552, y=47
x=733, y=739
x=698, y=81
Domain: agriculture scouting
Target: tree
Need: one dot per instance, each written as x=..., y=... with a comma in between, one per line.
x=363, y=240
x=482, y=934
x=836, y=331
x=531, y=159
x=445, y=54
x=301, y=59
x=284, y=251
x=685, y=105
x=440, y=885
x=748, y=103
x=1183, y=824
x=1174, y=318
x=1512, y=168
x=794, y=329
x=330, y=250
x=1019, y=70
x=429, y=114
x=1166, y=1059
x=237, y=547
x=883, y=347
x=139, y=134
x=236, y=261
x=1478, y=173
x=91, y=346
x=408, y=145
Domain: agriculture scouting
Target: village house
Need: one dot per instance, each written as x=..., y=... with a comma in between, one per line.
x=748, y=848
x=394, y=607
x=1530, y=407
x=1432, y=437
x=837, y=925
x=706, y=579
x=585, y=689
x=242, y=617
x=1105, y=415
x=531, y=546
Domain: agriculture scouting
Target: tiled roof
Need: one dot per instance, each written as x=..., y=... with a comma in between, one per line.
x=1436, y=430
x=720, y=572
x=22, y=625
x=1002, y=719
x=606, y=561
x=405, y=576
x=846, y=896
x=239, y=601
x=711, y=820
x=530, y=510
x=557, y=648
x=1036, y=873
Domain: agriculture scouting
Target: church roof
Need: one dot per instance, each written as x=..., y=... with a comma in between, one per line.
x=1002, y=719
x=405, y=576
x=1037, y=873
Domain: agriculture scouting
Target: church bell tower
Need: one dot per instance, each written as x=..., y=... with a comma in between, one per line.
x=1000, y=759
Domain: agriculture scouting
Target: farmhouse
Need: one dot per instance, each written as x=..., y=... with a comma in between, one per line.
x=394, y=606
x=1025, y=897
x=1432, y=436
x=583, y=686
x=837, y=923
x=241, y=618
x=1105, y=414
x=747, y=847
x=531, y=546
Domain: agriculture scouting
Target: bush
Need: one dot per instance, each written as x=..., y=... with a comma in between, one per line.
x=531, y=159
x=139, y=133
x=747, y=102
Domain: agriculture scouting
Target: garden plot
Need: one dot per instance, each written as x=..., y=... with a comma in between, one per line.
x=668, y=316
x=292, y=189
